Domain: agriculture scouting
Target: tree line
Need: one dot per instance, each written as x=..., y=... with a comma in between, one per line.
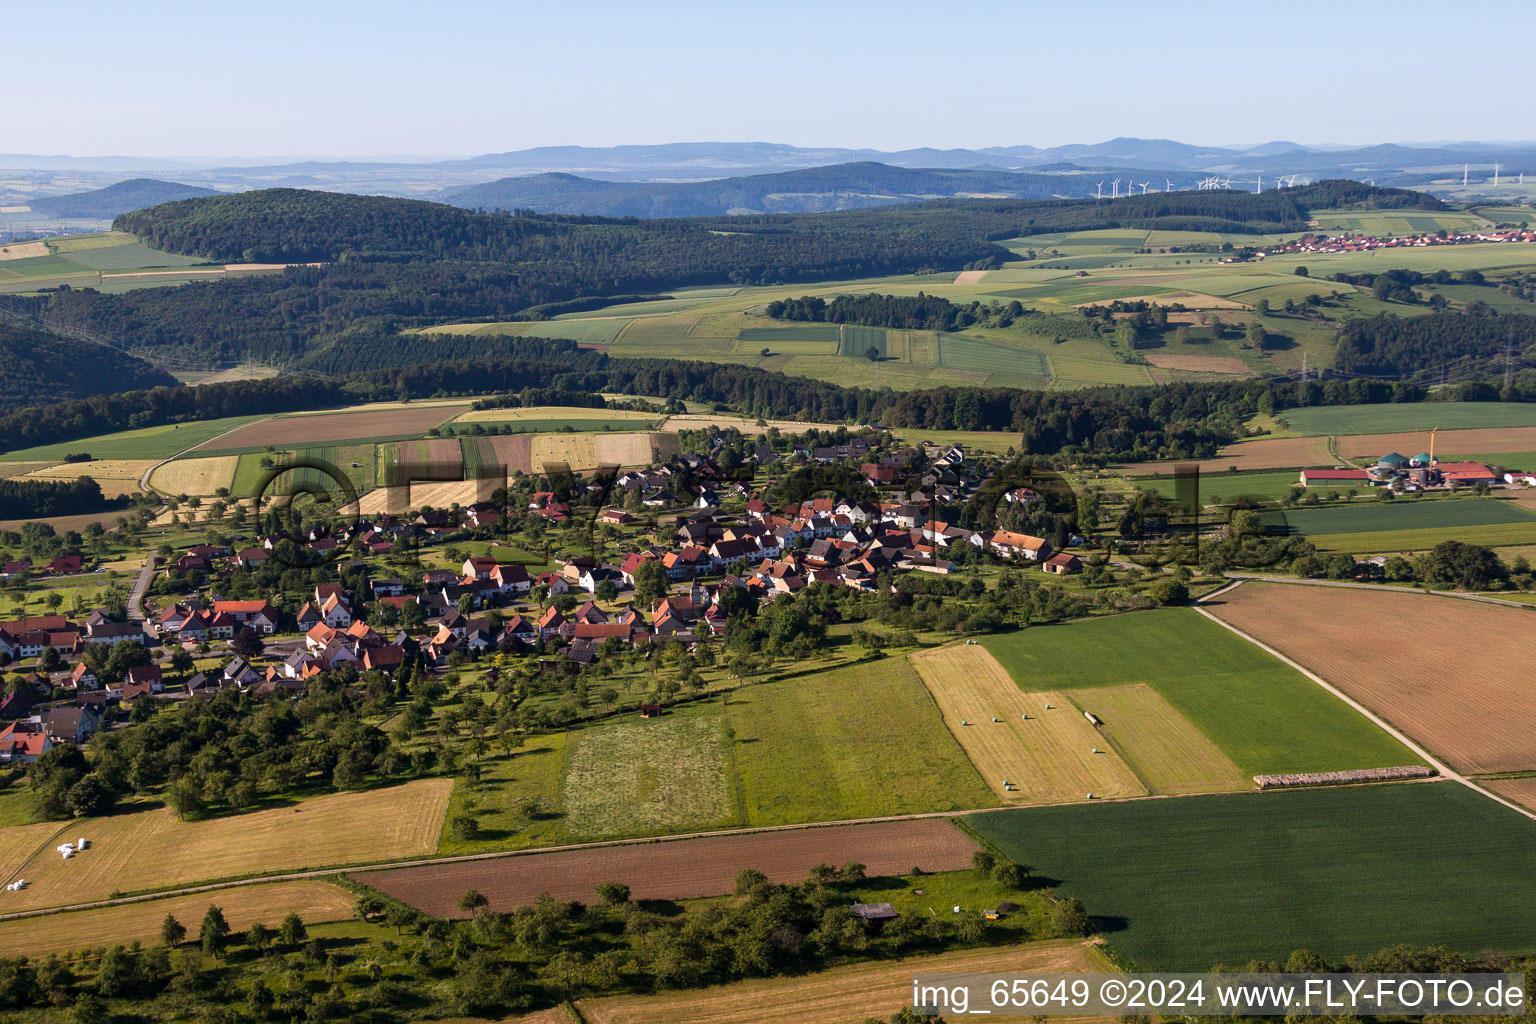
x=1448, y=345
x=41, y=499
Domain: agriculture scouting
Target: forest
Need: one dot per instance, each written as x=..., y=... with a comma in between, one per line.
x=41, y=366
x=926, y=313
x=1440, y=346
x=40, y=499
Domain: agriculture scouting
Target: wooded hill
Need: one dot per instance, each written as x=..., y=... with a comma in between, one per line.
x=44, y=367
x=109, y=202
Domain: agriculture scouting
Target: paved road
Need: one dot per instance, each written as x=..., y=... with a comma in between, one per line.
x=141, y=584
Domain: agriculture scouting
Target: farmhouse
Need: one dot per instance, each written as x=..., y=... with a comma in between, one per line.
x=1019, y=545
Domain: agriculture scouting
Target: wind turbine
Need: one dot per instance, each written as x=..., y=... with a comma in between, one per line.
x=1144, y=187
x=1101, y=191
x=1167, y=186
x=1495, y=175
x=1260, y=186
x=1115, y=186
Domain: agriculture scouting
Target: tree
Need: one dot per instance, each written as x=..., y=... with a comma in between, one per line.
x=1452, y=564
x=1301, y=271
x=650, y=581
x=473, y=901
x=185, y=797
x=1069, y=917
x=258, y=937
x=367, y=906
x=606, y=591
x=613, y=894
x=247, y=643
x=90, y=797
x=172, y=931
x=214, y=931
x=292, y=931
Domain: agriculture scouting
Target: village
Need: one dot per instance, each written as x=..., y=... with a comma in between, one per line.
x=725, y=547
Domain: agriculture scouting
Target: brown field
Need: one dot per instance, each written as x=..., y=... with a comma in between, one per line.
x=515, y=451
x=243, y=906
x=148, y=850
x=435, y=451
x=116, y=476
x=195, y=476
x=441, y=494
x=589, y=451
x=843, y=995
x=970, y=276
x=1048, y=757
x=247, y=372
x=1169, y=753
x=679, y=868
x=1267, y=453
x=1521, y=791
x=1454, y=675
x=1477, y=439
x=319, y=428
x=1207, y=364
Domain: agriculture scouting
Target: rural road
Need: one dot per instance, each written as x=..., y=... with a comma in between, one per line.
x=141, y=584
x=1372, y=586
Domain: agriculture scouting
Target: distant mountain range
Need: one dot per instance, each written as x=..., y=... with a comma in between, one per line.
x=1147, y=159
x=106, y=203
x=817, y=189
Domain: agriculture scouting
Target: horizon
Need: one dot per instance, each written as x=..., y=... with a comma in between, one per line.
x=346, y=81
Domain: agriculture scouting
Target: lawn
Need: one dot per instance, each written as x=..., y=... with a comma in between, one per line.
x=1387, y=419
x=649, y=777
x=516, y=801
x=1408, y=514
x=1186, y=883
x=147, y=443
x=1265, y=716
x=1218, y=488
x=860, y=741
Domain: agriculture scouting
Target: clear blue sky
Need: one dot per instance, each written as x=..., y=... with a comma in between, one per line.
x=272, y=77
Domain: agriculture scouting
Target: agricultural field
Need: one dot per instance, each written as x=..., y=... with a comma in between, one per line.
x=994, y=442
x=311, y=428
x=633, y=418
x=1217, y=488
x=1483, y=439
x=1029, y=747
x=594, y=330
x=1466, y=514
x=842, y=995
x=243, y=906
x=1409, y=541
x=1263, y=715
x=1392, y=418
x=1385, y=223
x=677, y=869
x=648, y=777
x=854, y=742
x=1477, y=712
x=1228, y=879
x=1229, y=365
x=195, y=476
x=1522, y=790
x=146, y=443
x=116, y=476
x=589, y=451
x=1160, y=745
x=19, y=842
x=141, y=851
x=1268, y=453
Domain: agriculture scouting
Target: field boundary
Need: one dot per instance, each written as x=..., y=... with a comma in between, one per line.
x=1434, y=762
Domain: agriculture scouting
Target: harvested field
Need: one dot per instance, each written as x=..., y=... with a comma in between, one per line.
x=589, y=451
x=653, y=777
x=63, y=523
x=1268, y=453
x=243, y=906
x=515, y=452
x=10, y=469
x=438, y=494
x=1521, y=791
x=745, y=424
x=23, y=250
x=313, y=428
x=1487, y=439
x=440, y=456
x=195, y=476
x=678, y=869
x=842, y=995
x=19, y=842
x=1206, y=364
x=116, y=476
x=1169, y=754
x=1477, y=712
x=559, y=412
x=148, y=850
x=971, y=276
x=1048, y=757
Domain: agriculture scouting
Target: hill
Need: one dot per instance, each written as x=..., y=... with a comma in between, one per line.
x=838, y=187
x=106, y=203
x=41, y=366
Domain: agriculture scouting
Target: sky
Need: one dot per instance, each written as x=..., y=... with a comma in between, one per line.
x=449, y=77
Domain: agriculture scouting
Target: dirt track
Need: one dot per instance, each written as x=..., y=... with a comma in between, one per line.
x=680, y=869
